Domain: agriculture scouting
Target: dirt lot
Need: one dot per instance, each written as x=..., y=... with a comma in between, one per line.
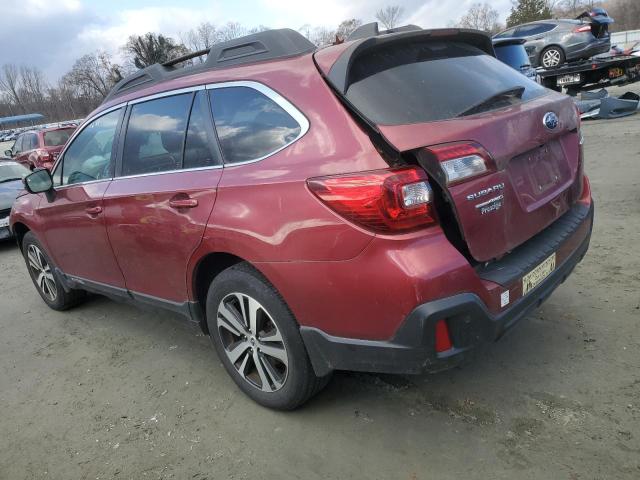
x=110, y=391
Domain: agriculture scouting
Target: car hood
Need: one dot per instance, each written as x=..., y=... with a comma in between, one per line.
x=8, y=193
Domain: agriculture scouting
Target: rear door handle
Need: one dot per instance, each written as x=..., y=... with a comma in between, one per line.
x=183, y=203
x=94, y=210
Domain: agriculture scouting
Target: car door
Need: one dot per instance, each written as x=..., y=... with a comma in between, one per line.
x=73, y=221
x=158, y=205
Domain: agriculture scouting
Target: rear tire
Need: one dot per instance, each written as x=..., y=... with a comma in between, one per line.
x=552, y=57
x=258, y=340
x=45, y=277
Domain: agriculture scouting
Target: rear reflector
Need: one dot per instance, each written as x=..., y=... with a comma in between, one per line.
x=460, y=161
x=443, y=341
x=385, y=201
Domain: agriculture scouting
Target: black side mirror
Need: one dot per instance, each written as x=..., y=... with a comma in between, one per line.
x=39, y=181
x=8, y=153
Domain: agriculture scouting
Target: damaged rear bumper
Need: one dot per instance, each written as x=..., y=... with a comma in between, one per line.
x=412, y=349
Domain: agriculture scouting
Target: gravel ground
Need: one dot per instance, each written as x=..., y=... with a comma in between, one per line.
x=110, y=391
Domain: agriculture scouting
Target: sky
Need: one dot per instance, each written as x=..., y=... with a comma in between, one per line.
x=51, y=34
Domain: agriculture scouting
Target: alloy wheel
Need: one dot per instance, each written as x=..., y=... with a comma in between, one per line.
x=43, y=274
x=551, y=58
x=252, y=342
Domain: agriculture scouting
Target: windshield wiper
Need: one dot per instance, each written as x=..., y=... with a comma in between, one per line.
x=487, y=103
x=10, y=179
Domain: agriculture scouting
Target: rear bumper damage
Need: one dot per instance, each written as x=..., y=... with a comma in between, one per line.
x=412, y=349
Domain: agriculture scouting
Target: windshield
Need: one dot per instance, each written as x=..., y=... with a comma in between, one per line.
x=57, y=137
x=12, y=171
x=428, y=81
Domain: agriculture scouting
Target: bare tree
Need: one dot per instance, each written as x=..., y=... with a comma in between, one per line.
x=34, y=85
x=231, y=30
x=346, y=27
x=203, y=37
x=10, y=83
x=481, y=16
x=94, y=74
x=390, y=16
x=322, y=36
x=626, y=14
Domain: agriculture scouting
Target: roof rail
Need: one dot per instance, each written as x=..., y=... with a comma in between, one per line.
x=257, y=47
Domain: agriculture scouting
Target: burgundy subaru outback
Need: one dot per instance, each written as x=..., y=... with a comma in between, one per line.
x=383, y=205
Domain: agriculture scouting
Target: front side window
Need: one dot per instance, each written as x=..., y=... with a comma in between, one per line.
x=250, y=125
x=17, y=146
x=89, y=157
x=155, y=135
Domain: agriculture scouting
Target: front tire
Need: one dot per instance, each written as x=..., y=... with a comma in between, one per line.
x=258, y=340
x=45, y=278
x=552, y=57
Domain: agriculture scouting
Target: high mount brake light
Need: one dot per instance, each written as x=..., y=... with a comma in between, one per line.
x=461, y=161
x=386, y=201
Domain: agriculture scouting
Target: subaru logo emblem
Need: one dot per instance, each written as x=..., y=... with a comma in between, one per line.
x=550, y=120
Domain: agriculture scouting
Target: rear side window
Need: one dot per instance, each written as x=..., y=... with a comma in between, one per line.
x=429, y=81
x=198, y=150
x=535, y=29
x=506, y=33
x=17, y=147
x=155, y=135
x=57, y=137
x=250, y=125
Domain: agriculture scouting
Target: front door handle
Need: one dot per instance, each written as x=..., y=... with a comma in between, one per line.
x=183, y=202
x=94, y=210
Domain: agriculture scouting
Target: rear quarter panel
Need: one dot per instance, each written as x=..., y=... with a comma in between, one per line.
x=264, y=211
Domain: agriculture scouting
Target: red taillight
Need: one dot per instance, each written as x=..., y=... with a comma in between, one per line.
x=443, y=341
x=44, y=155
x=461, y=161
x=386, y=201
x=584, y=28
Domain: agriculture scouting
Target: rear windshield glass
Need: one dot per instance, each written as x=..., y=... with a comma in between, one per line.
x=57, y=137
x=428, y=81
x=513, y=55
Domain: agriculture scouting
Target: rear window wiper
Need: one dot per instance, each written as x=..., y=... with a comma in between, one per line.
x=487, y=103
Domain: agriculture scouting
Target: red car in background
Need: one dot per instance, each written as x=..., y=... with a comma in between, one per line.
x=40, y=149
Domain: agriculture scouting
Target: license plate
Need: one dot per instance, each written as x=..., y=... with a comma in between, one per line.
x=532, y=279
x=569, y=79
x=616, y=72
x=4, y=222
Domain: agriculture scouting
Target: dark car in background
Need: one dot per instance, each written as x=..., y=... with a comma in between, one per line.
x=40, y=149
x=512, y=52
x=11, y=175
x=550, y=43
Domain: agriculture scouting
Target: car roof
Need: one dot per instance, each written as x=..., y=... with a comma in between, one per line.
x=264, y=46
x=60, y=127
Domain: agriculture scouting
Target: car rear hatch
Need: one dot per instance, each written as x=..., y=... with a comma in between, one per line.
x=599, y=21
x=444, y=101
